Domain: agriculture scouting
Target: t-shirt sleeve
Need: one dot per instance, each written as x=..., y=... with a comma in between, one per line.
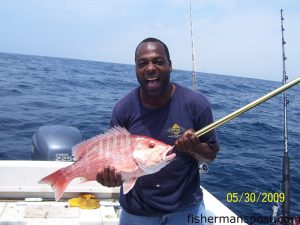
x=122, y=111
x=204, y=119
x=118, y=118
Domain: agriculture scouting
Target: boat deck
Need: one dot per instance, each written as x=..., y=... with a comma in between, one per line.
x=23, y=201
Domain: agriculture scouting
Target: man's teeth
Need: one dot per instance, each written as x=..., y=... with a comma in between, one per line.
x=151, y=79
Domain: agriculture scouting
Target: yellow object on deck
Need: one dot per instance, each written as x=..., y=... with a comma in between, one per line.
x=85, y=201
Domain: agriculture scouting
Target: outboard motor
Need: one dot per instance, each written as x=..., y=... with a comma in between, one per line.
x=54, y=143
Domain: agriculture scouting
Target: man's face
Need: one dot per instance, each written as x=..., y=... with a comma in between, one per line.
x=152, y=68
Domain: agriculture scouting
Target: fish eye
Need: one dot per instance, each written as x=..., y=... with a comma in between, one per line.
x=151, y=145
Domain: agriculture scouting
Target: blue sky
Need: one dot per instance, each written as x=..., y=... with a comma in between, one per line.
x=232, y=37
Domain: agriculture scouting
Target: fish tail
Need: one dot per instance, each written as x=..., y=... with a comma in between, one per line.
x=58, y=181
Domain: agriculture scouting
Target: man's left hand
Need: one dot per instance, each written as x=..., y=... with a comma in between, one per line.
x=187, y=141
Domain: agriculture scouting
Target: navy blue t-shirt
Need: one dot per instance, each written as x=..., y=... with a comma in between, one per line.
x=178, y=184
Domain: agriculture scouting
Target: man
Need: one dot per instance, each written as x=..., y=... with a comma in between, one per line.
x=170, y=113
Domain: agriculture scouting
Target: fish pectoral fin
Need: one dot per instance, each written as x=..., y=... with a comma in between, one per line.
x=128, y=185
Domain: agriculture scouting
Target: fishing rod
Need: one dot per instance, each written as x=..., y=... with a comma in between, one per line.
x=194, y=85
x=203, y=167
x=247, y=107
x=286, y=160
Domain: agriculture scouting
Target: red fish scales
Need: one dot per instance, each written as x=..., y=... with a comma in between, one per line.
x=114, y=148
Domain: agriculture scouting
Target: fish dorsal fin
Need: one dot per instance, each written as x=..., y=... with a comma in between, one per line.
x=79, y=149
x=116, y=131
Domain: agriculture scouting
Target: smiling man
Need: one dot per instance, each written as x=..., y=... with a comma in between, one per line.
x=170, y=113
x=153, y=67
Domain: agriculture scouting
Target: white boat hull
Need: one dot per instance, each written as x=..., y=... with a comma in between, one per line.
x=24, y=201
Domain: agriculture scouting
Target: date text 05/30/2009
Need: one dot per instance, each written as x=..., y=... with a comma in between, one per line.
x=252, y=197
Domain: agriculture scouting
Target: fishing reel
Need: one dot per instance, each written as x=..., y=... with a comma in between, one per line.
x=203, y=168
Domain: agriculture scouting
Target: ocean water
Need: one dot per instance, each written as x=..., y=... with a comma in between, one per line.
x=36, y=91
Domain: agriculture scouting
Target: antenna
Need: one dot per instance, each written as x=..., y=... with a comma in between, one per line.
x=194, y=85
x=286, y=161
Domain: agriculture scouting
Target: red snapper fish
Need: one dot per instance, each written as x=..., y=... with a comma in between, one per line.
x=132, y=155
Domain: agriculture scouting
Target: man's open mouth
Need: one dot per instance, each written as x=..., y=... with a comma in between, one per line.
x=153, y=82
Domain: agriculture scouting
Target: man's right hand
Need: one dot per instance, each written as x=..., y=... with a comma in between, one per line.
x=109, y=177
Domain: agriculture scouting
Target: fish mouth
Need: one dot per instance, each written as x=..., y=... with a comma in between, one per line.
x=169, y=154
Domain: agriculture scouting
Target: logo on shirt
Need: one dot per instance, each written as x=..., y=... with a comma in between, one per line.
x=175, y=131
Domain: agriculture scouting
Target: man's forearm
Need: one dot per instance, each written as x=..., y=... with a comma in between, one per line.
x=203, y=152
